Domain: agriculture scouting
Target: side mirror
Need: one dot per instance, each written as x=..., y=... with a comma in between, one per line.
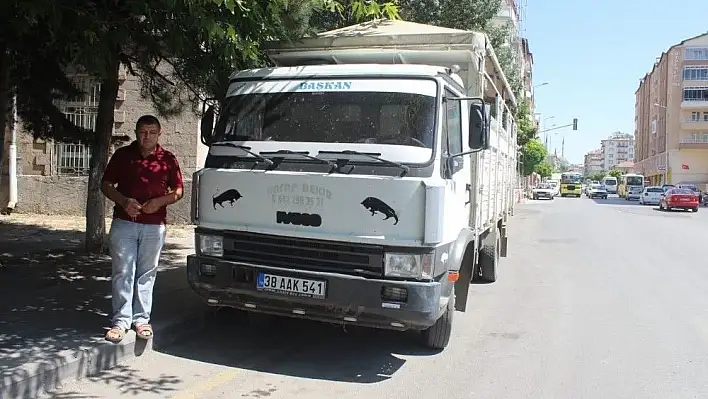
x=207, y=125
x=479, y=128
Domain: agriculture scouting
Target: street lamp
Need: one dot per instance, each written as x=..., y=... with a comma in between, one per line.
x=540, y=84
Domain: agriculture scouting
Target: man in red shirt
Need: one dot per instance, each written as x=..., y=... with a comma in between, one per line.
x=142, y=179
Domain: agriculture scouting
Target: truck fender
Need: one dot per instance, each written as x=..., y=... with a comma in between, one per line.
x=462, y=260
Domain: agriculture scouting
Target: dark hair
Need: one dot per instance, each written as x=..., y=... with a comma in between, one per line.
x=147, y=120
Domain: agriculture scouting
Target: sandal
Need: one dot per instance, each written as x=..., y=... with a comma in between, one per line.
x=143, y=331
x=115, y=334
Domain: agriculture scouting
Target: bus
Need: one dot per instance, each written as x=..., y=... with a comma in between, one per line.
x=571, y=184
x=631, y=186
x=610, y=183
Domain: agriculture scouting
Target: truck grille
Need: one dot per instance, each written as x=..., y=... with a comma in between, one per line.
x=304, y=254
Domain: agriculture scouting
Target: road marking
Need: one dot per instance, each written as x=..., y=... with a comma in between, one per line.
x=202, y=388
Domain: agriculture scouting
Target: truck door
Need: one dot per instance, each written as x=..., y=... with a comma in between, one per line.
x=456, y=172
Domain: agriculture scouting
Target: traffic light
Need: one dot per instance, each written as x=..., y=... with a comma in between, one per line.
x=575, y=123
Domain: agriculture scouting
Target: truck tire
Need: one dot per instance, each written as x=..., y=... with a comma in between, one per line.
x=438, y=335
x=489, y=256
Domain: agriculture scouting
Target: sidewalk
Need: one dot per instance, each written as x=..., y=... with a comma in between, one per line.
x=54, y=304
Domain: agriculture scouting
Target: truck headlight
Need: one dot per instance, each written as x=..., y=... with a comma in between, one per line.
x=408, y=265
x=211, y=245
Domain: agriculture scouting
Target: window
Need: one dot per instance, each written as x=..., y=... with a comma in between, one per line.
x=452, y=130
x=696, y=93
x=74, y=158
x=698, y=138
x=705, y=116
x=695, y=73
x=695, y=116
x=696, y=54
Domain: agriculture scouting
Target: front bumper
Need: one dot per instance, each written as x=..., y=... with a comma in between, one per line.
x=348, y=299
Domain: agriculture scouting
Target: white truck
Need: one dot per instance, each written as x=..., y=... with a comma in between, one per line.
x=365, y=180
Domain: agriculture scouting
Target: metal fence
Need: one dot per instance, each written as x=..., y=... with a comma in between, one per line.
x=73, y=159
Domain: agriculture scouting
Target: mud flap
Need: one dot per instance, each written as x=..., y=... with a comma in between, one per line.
x=462, y=287
x=503, y=243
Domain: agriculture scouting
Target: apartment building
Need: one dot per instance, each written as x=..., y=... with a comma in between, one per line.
x=616, y=149
x=511, y=14
x=593, y=162
x=671, y=115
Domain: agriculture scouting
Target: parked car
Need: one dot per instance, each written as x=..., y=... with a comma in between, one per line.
x=679, y=198
x=543, y=191
x=666, y=187
x=693, y=188
x=651, y=195
x=597, y=191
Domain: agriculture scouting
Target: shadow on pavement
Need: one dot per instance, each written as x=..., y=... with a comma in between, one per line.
x=55, y=302
x=128, y=382
x=615, y=201
x=300, y=348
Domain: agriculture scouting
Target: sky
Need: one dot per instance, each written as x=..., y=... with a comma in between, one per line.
x=592, y=55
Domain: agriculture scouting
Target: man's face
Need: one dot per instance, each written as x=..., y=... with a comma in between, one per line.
x=147, y=136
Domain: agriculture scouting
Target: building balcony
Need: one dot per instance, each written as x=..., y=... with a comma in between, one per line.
x=696, y=142
x=694, y=104
x=694, y=124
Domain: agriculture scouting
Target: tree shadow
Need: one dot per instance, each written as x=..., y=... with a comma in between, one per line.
x=56, y=299
x=300, y=348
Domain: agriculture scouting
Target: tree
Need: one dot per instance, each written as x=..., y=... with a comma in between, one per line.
x=215, y=38
x=527, y=129
x=616, y=173
x=544, y=169
x=533, y=153
x=597, y=176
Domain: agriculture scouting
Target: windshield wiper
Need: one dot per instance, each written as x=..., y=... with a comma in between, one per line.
x=333, y=166
x=404, y=168
x=246, y=149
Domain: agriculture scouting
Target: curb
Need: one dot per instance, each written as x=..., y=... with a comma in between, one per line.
x=49, y=376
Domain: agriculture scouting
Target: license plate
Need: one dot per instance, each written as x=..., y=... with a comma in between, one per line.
x=291, y=286
x=684, y=199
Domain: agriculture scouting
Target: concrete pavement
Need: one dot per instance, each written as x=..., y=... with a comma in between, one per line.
x=598, y=298
x=56, y=300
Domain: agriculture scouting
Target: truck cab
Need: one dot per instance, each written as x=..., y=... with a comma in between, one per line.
x=346, y=193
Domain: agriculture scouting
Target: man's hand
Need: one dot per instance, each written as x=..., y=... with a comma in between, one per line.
x=152, y=206
x=132, y=207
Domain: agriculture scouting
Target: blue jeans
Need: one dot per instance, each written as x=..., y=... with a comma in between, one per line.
x=135, y=252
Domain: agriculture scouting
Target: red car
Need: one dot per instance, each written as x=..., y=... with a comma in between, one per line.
x=679, y=198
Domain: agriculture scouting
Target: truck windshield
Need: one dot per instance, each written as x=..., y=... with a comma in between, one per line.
x=330, y=117
x=635, y=181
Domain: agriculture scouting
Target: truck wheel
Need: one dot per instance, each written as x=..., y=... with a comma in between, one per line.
x=489, y=257
x=437, y=336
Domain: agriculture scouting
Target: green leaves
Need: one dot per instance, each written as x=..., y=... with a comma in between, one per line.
x=533, y=153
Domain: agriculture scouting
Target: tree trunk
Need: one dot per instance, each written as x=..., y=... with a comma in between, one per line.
x=95, y=200
x=4, y=97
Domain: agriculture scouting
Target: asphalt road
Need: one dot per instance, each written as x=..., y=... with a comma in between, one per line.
x=597, y=299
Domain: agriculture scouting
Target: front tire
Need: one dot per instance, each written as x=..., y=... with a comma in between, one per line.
x=438, y=335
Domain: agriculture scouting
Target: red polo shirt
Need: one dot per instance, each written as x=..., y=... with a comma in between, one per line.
x=143, y=178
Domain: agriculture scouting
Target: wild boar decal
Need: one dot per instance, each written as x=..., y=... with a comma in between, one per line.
x=230, y=196
x=373, y=205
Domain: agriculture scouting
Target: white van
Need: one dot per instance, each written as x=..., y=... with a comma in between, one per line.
x=610, y=183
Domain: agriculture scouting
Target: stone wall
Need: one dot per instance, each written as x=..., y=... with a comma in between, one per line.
x=42, y=190
x=52, y=195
